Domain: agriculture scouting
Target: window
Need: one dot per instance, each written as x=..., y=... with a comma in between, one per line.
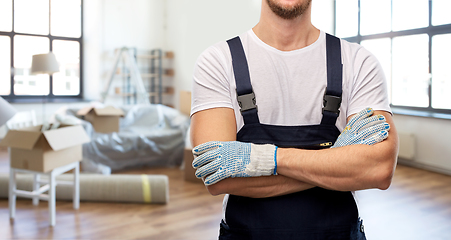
x=410, y=38
x=29, y=27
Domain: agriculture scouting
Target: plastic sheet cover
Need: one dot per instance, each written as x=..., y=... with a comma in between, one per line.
x=149, y=135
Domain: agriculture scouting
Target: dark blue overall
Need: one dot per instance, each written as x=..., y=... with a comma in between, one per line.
x=315, y=213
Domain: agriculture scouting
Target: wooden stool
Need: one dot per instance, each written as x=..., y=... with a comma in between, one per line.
x=38, y=190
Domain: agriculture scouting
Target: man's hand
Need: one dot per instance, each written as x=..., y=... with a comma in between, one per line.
x=363, y=129
x=221, y=160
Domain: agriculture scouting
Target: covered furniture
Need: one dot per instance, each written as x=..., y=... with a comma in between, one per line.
x=149, y=135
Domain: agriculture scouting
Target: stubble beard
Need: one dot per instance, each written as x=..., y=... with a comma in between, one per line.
x=288, y=12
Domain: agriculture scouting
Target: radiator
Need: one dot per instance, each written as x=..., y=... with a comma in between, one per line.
x=406, y=146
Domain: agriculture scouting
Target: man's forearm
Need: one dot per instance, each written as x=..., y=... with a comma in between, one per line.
x=347, y=168
x=259, y=187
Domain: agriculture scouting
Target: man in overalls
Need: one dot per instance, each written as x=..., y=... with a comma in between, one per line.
x=288, y=122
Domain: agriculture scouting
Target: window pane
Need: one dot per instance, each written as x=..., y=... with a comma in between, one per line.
x=440, y=12
x=381, y=48
x=24, y=83
x=410, y=80
x=441, y=74
x=31, y=16
x=6, y=15
x=5, y=65
x=66, y=18
x=409, y=14
x=375, y=16
x=67, y=80
x=346, y=18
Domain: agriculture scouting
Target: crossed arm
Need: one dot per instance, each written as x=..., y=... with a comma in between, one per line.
x=346, y=168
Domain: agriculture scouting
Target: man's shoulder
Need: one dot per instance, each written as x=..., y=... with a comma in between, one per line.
x=220, y=50
x=350, y=47
x=216, y=53
x=354, y=52
x=223, y=47
x=217, y=48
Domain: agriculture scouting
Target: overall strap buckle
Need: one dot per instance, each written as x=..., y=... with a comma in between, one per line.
x=247, y=102
x=331, y=103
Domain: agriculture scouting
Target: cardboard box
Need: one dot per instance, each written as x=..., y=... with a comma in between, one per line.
x=189, y=170
x=169, y=55
x=185, y=102
x=103, y=120
x=34, y=150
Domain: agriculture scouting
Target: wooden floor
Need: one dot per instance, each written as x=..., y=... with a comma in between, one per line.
x=417, y=206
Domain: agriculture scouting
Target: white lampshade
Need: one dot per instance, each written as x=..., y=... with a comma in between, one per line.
x=6, y=111
x=44, y=64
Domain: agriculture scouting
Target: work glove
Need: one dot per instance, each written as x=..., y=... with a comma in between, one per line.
x=221, y=160
x=363, y=128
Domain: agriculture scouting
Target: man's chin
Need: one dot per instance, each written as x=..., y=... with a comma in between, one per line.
x=288, y=10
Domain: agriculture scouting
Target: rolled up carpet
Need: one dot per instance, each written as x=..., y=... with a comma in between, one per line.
x=102, y=188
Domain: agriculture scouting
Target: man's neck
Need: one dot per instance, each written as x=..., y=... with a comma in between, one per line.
x=283, y=34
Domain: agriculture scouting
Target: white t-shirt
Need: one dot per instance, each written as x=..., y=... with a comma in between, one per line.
x=289, y=85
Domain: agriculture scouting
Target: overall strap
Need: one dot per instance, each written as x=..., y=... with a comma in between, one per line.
x=245, y=94
x=332, y=96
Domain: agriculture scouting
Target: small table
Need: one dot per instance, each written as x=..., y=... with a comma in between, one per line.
x=38, y=190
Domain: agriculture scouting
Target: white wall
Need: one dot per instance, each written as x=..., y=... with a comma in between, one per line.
x=111, y=24
x=432, y=141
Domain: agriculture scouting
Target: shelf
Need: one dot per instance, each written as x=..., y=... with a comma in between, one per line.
x=167, y=73
x=151, y=94
x=168, y=90
x=167, y=55
x=149, y=75
x=147, y=56
x=155, y=72
x=156, y=94
x=122, y=95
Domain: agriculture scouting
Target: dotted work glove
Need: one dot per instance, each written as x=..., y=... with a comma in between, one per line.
x=363, y=129
x=221, y=160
